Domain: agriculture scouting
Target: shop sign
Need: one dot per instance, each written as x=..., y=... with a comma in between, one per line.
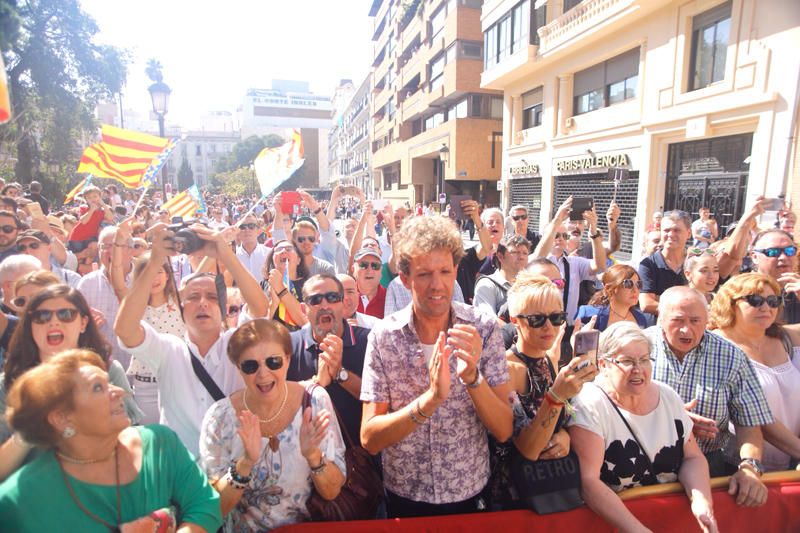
x=591, y=162
x=524, y=170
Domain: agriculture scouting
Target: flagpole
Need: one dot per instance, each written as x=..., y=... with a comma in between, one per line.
x=141, y=197
x=252, y=208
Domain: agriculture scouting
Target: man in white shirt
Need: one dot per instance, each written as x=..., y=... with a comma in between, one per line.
x=250, y=252
x=350, y=304
x=216, y=222
x=184, y=398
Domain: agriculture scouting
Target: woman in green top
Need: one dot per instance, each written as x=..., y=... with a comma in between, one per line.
x=99, y=474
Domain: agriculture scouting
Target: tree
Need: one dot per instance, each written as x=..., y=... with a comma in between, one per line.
x=237, y=183
x=153, y=70
x=56, y=76
x=185, y=175
x=244, y=152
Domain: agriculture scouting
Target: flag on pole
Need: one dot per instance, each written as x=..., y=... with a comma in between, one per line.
x=276, y=165
x=155, y=165
x=122, y=155
x=186, y=203
x=85, y=182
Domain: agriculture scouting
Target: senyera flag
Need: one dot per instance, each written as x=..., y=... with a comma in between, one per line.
x=275, y=165
x=85, y=182
x=186, y=203
x=5, y=103
x=124, y=155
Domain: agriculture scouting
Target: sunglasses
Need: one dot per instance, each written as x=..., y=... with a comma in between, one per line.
x=248, y=225
x=233, y=309
x=538, y=320
x=23, y=247
x=789, y=251
x=43, y=316
x=302, y=238
x=139, y=246
x=19, y=302
x=564, y=236
x=367, y=264
x=284, y=249
x=250, y=366
x=519, y=217
x=696, y=252
x=756, y=300
x=8, y=228
x=332, y=297
x=629, y=284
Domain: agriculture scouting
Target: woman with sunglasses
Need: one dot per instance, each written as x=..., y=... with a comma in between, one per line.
x=537, y=312
x=29, y=286
x=745, y=312
x=629, y=431
x=284, y=276
x=56, y=319
x=617, y=301
x=235, y=304
x=261, y=450
x=701, y=270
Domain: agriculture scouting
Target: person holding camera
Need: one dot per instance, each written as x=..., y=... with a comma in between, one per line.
x=194, y=372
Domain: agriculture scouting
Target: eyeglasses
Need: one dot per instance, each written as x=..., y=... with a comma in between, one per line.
x=332, y=297
x=8, y=228
x=537, y=321
x=756, y=300
x=629, y=284
x=233, y=309
x=788, y=251
x=139, y=246
x=250, y=366
x=560, y=283
x=367, y=264
x=19, y=302
x=629, y=364
x=302, y=238
x=248, y=225
x=515, y=218
x=43, y=316
x=23, y=247
x=564, y=236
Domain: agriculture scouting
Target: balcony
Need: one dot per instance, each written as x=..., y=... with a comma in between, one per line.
x=510, y=68
x=586, y=18
x=412, y=105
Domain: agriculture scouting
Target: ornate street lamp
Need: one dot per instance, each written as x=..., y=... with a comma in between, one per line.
x=444, y=158
x=159, y=94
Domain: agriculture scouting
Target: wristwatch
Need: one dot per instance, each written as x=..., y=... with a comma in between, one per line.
x=755, y=464
x=597, y=234
x=343, y=376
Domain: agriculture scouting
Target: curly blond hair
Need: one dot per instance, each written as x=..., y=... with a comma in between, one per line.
x=422, y=235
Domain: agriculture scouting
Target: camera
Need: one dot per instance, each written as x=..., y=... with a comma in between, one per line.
x=185, y=240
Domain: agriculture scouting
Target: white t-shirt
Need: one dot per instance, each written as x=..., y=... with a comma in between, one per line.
x=662, y=433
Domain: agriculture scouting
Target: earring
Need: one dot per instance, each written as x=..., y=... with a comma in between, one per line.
x=68, y=432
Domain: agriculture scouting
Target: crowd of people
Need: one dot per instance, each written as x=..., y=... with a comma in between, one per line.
x=282, y=366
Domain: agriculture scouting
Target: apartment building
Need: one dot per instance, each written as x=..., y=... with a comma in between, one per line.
x=691, y=103
x=349, y=148
x=435, y=130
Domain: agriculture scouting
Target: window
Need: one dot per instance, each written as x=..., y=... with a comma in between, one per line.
x=437, y=71
x=471, y=50
x=508, y=35
x=569, y=4
x=198, y=149
x=607, y=83
x=475, y=106
x=460, y=110
x=496, y=110
x=710, y=35
x=532, y=108
x=437, y=22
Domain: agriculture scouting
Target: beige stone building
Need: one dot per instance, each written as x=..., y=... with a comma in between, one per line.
x=696, y=100
x=435, y=130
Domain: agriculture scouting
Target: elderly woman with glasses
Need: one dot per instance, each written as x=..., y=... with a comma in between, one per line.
x=617, y=301
x=537, y=312
x=629, y=431
x=745, y=312
x=261, y=449
x=701, y=270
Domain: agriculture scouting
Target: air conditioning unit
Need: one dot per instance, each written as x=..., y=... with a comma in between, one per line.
x=570, y=122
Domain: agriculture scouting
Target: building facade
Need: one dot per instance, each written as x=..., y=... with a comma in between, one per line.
x=435, y=130
x=349, y=145
x=687, y=104
x=290, y=104
x=203, y=149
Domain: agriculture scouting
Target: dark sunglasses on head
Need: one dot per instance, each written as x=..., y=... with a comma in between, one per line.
x=19, y=301
x=789, y=251
x=629, y=284
x=538, y=320
x=302, y=238
x=696, y=252
x=370, y=264
x=43, y=316
x=332, y=297
x=756, y=300
x=250, y=366
x=8, y=228
x=23, y=247
x=248, y=225
x=519, y=217
x=233, y=309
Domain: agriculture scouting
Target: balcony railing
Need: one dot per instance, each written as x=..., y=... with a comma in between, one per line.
x=579, y=20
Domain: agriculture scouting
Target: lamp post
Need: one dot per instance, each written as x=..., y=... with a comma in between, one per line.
x=444, y=157
x=159, y=94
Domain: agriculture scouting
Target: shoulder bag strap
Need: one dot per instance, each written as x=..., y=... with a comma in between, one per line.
x=207, y=381
x=309, y=389
x=565, y=295
x=627, y=425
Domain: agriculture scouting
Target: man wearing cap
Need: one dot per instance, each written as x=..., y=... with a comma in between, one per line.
x=250, y=252
x=367, y=267
x=38, y=244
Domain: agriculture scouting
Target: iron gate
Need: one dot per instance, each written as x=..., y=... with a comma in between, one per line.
x=527, y=192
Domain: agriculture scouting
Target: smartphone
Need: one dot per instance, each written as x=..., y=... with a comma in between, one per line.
x=773, y=204
x=35, y=210
x=290, y=202
x=176, y=220
x=456, y=211
x=586, y=343
x=351, y=190
x=378, y=204
x=579, y=205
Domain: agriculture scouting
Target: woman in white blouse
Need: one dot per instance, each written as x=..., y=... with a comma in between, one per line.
x=630, y=431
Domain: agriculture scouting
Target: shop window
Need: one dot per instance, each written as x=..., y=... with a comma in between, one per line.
x=710, y=36
x=607, y=83
x=532, y=108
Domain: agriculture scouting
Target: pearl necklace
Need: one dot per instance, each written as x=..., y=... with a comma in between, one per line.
x=277, y=413
x=76, y=461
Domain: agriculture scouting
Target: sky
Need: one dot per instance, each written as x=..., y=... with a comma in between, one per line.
x=213, y=51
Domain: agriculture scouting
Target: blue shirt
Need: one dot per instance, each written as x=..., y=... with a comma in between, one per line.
x=657, y=276
x=603, y=312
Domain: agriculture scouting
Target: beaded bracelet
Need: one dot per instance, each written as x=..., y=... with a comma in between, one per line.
x=236, y=479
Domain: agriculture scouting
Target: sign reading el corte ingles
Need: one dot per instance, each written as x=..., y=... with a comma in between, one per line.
x=586, y=162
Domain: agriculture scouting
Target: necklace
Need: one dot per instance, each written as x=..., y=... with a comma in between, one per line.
x=83, y=508
x=623, y=317
x=75, y=461
x=274, y=443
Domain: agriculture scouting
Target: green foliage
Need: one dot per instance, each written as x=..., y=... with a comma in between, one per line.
x=236, y=183
x=185, y=174
x=56, y=76
x=244, y=152
x=153, y=70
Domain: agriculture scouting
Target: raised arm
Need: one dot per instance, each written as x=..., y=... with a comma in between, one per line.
x=614, y=235
x=473, y=211
x=549, y=232
x=598, y=261
x=737, y=244
x=121, y=241
x=358, y=236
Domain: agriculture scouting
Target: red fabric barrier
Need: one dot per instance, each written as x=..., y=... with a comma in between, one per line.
x=669, y=513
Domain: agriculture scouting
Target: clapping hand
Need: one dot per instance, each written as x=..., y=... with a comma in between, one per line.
x=312, y=432
x=439, y=369
x=467, y=345
x=250, y=432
